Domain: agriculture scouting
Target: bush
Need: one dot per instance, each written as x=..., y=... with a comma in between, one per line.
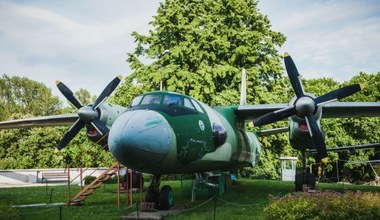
x=89, y=179
x=325, y=205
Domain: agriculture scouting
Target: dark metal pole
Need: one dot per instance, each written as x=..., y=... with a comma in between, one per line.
x=215, y=198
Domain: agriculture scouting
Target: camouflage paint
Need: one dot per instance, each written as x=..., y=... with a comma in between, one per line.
x=163, y=139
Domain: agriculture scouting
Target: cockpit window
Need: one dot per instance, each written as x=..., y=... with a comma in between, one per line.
x=199, y=109
x=188, y=103
x=151, y=99
x=136, y=100
x=171, y=99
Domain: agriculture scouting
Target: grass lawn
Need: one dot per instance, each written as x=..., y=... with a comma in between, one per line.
x=243, y=201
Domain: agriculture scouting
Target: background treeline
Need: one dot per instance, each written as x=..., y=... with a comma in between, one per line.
x=200, y=54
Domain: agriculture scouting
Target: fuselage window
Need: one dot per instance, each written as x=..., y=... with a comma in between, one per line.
x=151, y=99
x=171, y=99
x=136, y=100
x=199, y=109
x=188, y=103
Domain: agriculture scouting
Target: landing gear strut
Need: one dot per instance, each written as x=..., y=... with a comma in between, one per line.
x=305, y=177
x=163, y=199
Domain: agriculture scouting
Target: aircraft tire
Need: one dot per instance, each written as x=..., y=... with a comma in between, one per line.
x=166, y=200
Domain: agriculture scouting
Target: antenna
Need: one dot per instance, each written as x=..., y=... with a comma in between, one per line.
x=243, y=88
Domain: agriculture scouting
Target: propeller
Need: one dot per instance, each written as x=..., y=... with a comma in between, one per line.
x=305, y=106
x=88, y=115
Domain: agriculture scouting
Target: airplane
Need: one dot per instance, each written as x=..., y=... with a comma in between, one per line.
x=164, y=132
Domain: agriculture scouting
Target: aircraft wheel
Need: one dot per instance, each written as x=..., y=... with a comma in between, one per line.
x=166, y=198
x=299, y=182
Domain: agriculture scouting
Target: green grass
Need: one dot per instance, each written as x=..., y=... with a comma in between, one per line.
x=243, y=201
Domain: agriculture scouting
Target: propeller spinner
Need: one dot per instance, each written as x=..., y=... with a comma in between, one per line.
x=87, y=114
x=305, y=106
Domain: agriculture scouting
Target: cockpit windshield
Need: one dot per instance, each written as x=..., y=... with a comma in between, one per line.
x=171, y=99
x=151, y=99
x=167, y=99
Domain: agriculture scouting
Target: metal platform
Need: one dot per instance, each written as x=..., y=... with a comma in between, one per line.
x=154, y=215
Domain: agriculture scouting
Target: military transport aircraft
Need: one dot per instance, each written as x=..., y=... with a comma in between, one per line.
x=170, y=133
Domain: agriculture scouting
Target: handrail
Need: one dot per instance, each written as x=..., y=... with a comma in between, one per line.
x=93, y=182
x=88, y=167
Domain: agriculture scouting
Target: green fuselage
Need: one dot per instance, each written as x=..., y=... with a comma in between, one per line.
x=165, y=132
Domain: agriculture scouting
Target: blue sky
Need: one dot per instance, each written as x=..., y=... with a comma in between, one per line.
x=84, y=43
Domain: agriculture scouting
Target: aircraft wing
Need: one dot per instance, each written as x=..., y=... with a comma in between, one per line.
x=330, y=110
x=44, y=121
x=250, y=112
x=348, y=148
x=351, y=109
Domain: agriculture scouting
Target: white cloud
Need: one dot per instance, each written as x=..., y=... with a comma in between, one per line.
x=82, y=44
x=335, y=39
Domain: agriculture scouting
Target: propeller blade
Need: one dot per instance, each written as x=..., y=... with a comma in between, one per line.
x=275, y=116
x=107, y=92
x=100, y=126
x=316, y=136
x=294, y=76
x=339, y=93
x=70, y=134
x=68, y=94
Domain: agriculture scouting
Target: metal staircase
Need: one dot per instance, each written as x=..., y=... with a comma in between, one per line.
x=96, y=184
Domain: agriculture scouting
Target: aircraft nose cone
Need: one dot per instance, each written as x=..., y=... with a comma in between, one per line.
x=140, y=138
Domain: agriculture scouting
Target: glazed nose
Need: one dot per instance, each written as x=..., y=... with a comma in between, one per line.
x=140, y=138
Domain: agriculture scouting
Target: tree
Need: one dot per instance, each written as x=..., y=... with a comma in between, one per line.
x=362, y=131
x=350, y=131
x=35, y=148
x=20, y=96
x=207, y=50
x=84, y=96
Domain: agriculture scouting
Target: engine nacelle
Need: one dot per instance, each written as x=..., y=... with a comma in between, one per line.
x=107, y=114
x=299, y=135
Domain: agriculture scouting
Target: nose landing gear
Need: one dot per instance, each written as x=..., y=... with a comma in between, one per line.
x=305, y=177
x=164, y=199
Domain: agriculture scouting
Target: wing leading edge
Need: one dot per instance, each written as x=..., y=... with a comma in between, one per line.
x=44, y=121
x=330, y=110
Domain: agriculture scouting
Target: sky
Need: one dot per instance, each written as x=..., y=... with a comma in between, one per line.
x=84, y=43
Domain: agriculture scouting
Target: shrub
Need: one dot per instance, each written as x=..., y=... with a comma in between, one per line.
x=325, y=205
x=89, y=179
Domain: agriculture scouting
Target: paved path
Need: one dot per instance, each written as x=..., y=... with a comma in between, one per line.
x=26, y=184
x=156, y=215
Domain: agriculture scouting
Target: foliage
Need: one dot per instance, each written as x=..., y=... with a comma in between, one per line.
x=350, y=131
x=20, y=96
x=35, y=148
x=89, y=179
x=207, y=50
x=22, y=148
x=325, y=205
x=84, y=96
